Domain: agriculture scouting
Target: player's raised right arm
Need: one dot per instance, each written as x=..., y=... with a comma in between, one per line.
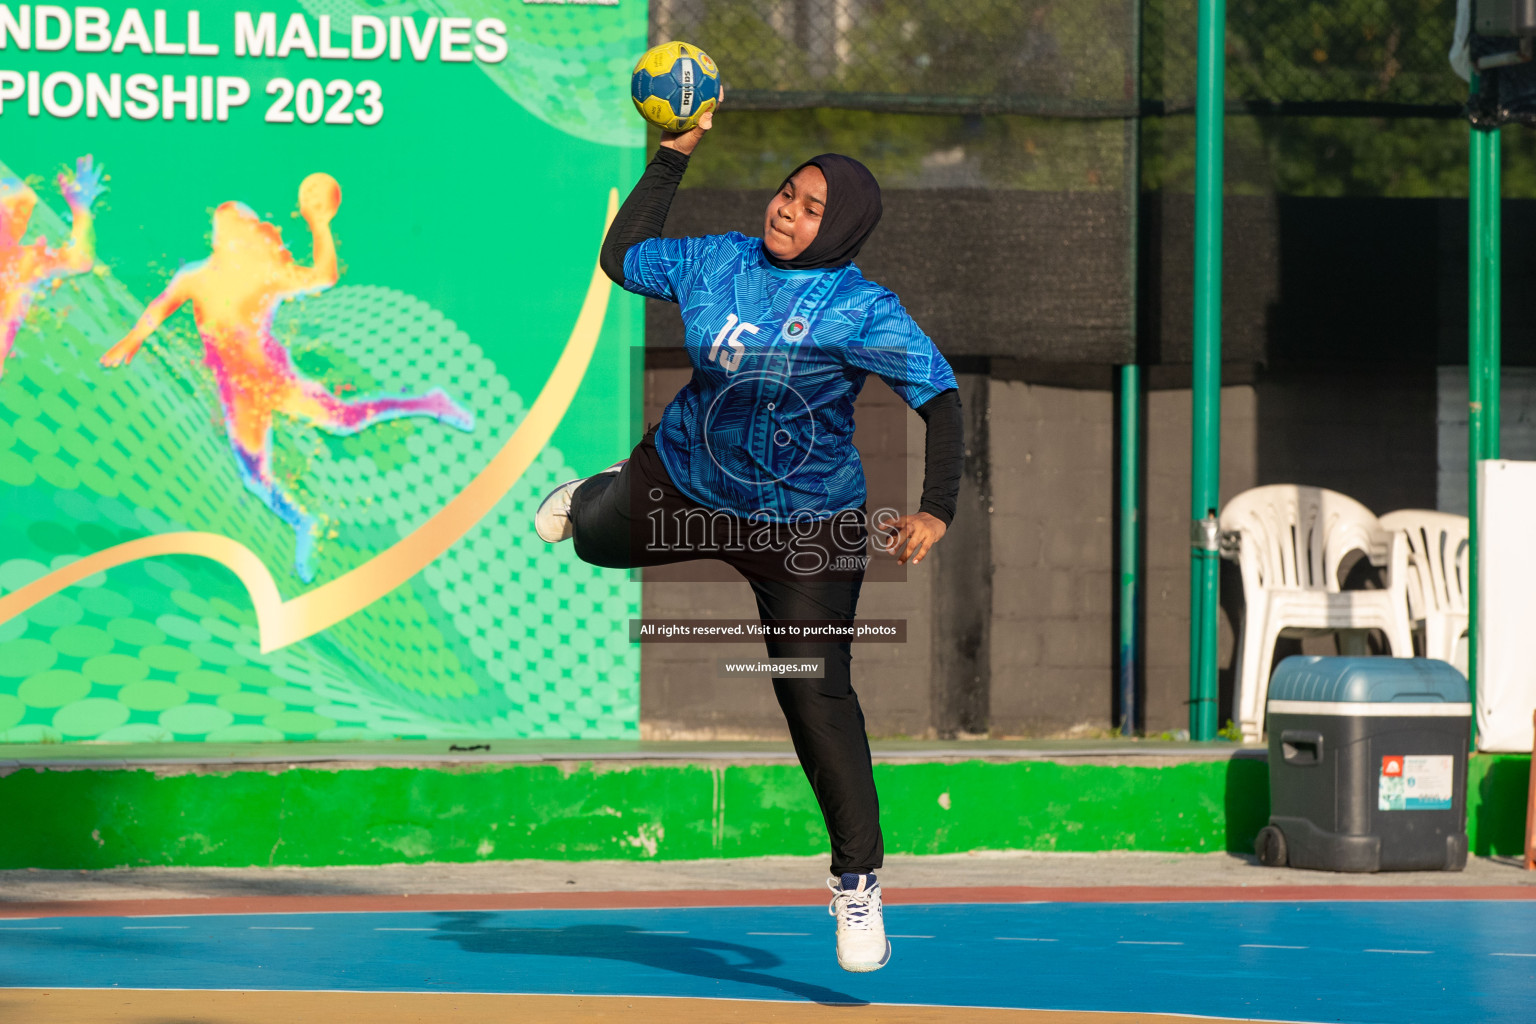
x=319, y=199
x=644, y=213
x=326, y=271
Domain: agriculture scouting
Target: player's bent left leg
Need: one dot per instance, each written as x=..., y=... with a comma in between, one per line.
x=311, y=401
x=552, y=520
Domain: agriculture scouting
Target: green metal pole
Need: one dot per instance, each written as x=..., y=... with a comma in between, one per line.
x=1130, y=414
x=1493, y=303
x=1210, y=104
x=1130, y=540
x=1476, y=295
x=1484, y=238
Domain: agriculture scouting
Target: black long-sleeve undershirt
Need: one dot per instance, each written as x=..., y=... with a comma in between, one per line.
x=644, y=215
x=943, y=454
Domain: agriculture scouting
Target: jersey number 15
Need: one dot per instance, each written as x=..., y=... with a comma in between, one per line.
x=732, y=340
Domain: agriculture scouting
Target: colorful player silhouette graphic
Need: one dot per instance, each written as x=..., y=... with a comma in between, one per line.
x=25, y=269
x=235, y=293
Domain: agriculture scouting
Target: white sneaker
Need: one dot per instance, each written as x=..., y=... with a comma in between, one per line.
x=861, y=941
x=552, y=521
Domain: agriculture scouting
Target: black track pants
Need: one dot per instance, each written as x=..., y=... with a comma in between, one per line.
x=637, y=517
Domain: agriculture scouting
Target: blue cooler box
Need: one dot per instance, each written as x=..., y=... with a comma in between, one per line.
x=1367, y=765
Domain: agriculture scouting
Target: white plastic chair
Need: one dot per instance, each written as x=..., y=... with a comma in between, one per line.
x=1437, y=579
x=1290, y=543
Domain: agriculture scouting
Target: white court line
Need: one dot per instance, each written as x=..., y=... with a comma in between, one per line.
x=778, y=933
x=1019, y=938
x=1513, y=954
x=909, y=936
x=1143, y=942
x=279, y=928
x=1415, y=952
x=661, y=933
x=406, y=929
x=1260, y=945
x=155, y=927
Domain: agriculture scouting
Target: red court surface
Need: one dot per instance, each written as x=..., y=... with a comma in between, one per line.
x=365, y=903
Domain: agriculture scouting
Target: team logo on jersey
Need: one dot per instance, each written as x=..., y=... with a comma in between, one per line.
x=794, y=329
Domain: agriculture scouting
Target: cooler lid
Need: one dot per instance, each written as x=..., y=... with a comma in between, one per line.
x=1368, y=681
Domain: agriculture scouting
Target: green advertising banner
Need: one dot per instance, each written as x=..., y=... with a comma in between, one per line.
x=300, y=316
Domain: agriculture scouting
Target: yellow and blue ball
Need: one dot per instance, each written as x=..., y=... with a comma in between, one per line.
x=674, y=85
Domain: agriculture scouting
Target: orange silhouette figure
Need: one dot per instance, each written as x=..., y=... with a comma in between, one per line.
x=25, y=269
x=235, y=293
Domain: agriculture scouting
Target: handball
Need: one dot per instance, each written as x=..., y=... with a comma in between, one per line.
x=674, y=85
x=319, y=196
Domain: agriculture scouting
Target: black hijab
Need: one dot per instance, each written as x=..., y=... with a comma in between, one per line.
x=852, y=211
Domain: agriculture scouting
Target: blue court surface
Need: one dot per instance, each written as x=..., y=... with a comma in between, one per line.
x=1363, y=962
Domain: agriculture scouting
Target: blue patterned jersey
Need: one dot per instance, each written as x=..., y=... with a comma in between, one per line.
x=765, y=427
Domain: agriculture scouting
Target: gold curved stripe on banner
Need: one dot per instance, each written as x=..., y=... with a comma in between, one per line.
x=285, y=622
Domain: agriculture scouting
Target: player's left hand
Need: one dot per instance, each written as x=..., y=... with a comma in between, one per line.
x=912, y=537
x=120, y=354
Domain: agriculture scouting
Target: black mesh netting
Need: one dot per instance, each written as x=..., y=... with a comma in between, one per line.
x=1038, y=154
x=1071, y=57
x=1065, y=57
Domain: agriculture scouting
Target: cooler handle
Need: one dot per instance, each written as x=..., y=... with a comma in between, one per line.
x=1301, y=747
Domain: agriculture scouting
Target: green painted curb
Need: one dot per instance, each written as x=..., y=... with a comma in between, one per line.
x=87, y=818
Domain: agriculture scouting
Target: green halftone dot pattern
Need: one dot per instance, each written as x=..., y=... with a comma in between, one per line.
x=195, y=719
x=12, y=710
x=152, y=695
x=568, y=64
x=504, y=612
x=136, y=693
x=53, y=689
x=115, y=669
x=90, y=717
x=25, y=658
x=79, y=641
x=502, y=636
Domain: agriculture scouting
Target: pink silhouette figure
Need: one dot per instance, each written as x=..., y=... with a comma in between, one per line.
x=25, y=269
x=235, y=293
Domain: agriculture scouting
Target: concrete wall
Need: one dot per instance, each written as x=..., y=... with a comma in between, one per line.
x=1054, y=625
x=1052, y=533
x=1167, y=511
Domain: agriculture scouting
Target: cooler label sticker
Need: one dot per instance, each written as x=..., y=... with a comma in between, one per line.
x=1415, y=783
